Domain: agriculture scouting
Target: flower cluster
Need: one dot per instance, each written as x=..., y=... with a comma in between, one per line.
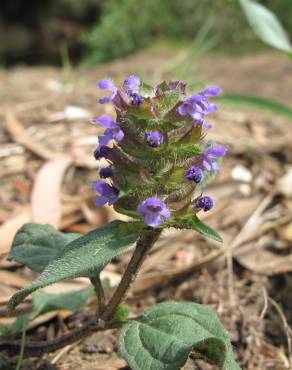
x=157, y=157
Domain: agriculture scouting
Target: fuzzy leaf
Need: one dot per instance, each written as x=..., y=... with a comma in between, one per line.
x=266, y=25
x=46, y=302
x=85, y=256
x=71, y=301
x=196, y=224
x=164, y=336
x=36, y=245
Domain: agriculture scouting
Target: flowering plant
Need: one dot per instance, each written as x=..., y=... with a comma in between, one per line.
x=158, y=163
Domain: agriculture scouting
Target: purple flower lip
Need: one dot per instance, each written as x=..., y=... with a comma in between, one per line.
x=205, y=203
x=154, y=138
x=194, y=174
x=154, y=211
x=108, y=86
x=198, y=106
x=132, y=86
x=210, y=155
x=106, y=193
x=112, y=131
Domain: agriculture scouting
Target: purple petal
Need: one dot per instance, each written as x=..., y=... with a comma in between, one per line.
x=215, y=167
x=153, y=209
x=197, y=116
x=212, y=91
x=153, y=220
x=106, y=85
x=132, y=83
x=105, y=100
x=207, y=165
x=105, y=121
x=119, y=135
x=183, y=110
x=165, y=212
x=206, y=125
x=98, y=186
x=216, y=151
x=107, y=193
x=100, y=201
x=105, y=139
x=109, y=86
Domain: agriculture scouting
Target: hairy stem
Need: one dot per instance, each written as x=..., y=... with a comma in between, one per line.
x=145, y=242
x=99, y=292
x=36, y=348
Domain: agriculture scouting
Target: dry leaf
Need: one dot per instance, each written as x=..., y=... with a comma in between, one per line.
x=45, y=199
x=9, y=228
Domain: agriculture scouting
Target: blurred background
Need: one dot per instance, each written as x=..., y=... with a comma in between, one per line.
x=52, y=53
x=98, y=31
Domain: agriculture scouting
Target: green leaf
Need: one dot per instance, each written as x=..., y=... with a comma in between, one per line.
x=46, y=302
x=196, y=224
x=266, y=25
x=36, y=245
x=85, y=256
x=164, y=336
x=71, y=301
x=20, y=324
x=4, y=329
x=3, y=363
x=257, y=102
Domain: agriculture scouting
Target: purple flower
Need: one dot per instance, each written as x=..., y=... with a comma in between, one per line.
x=210, y=155
x=136, y=99
x=205, y=203
x=108, y=86
x=106, y=172
x=154, y=138
x=112, y=131
x=132, y=84
x=198, y=106
x=154, y=211
x=102, y=152
x=107, y=193
x=212, y=91
x=194, y=174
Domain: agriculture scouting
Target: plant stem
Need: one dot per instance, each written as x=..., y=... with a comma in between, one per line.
x=98, y=288
x=147, y=239
x=21, y=354
x=145, y=242
x=36, y=348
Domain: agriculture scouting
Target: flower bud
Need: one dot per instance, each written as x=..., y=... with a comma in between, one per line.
x=205, y=203
x=154, y=138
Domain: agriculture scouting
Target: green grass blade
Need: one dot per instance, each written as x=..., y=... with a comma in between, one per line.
x=257, y=102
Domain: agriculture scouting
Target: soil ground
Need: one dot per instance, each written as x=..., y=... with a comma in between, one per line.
x=44, y=120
